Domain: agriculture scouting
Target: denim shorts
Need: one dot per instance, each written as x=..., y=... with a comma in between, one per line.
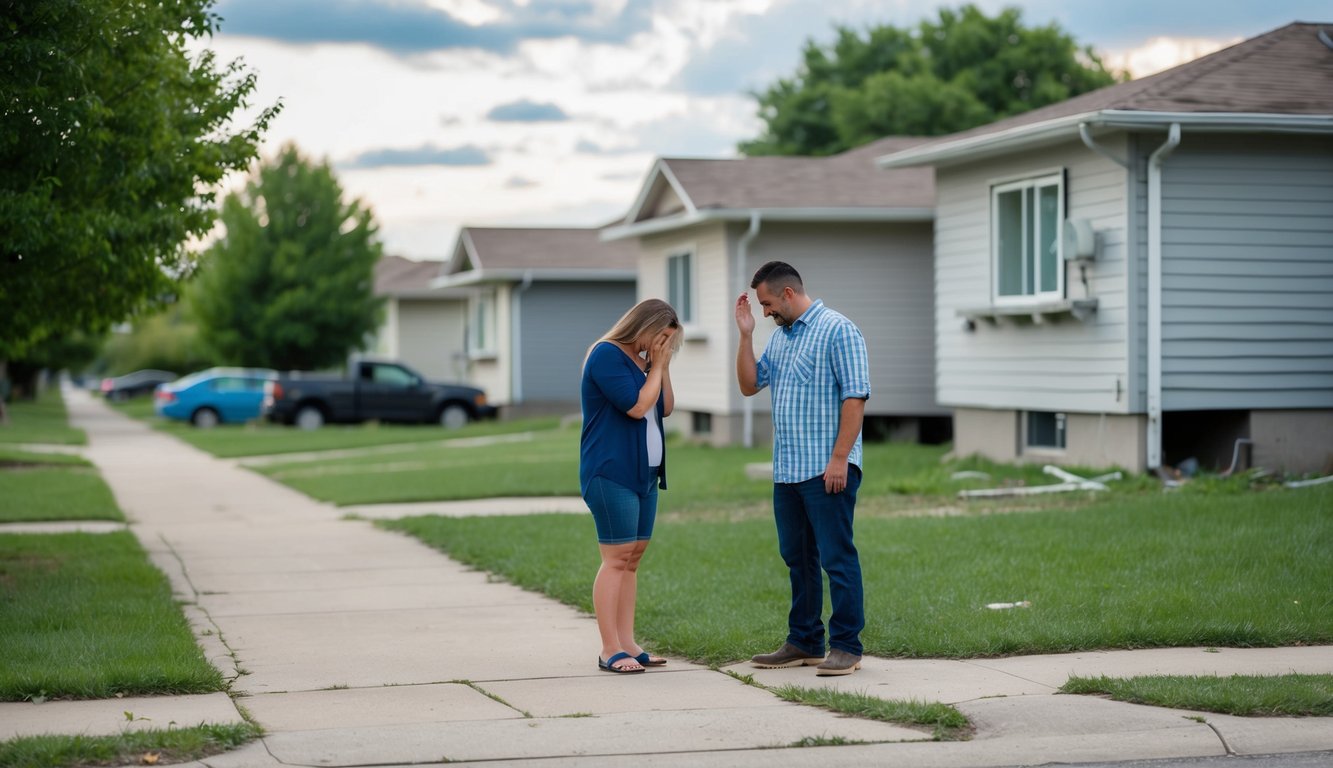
x=621, y=515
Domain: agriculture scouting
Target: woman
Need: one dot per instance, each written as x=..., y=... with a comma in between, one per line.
x=622, y=463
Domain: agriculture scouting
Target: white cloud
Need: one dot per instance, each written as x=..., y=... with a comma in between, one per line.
x=1161, y=53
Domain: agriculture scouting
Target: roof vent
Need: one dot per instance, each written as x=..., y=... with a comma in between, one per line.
x=1324, y=38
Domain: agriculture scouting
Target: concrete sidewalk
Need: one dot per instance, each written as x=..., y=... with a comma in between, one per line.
x=354, y=646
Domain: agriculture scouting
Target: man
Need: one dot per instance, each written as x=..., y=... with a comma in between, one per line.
x=819, y=372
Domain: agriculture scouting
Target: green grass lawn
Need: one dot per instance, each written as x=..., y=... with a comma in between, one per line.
x=166, y=746
x=43, y=420
x=1253, y=695
x=704, y=481
x=262, y=439
x=50, y=492
x=1135, y=571
x=87, y=616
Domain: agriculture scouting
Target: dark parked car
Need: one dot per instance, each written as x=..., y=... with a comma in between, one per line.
x=376, y=391
x=214, y=396
x=137, y=384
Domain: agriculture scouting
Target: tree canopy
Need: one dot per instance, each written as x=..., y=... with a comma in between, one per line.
x=113, y=136
x=291, y=283
x=963, y=70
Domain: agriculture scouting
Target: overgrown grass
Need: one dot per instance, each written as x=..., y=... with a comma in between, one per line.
x=161, y=746
x=87, y=616
x=945, y=722
x=1296, y=695
x=43, y=420
x=1140, y=571
x=55, y=489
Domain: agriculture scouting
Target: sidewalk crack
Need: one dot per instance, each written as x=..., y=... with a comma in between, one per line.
x=237, y=670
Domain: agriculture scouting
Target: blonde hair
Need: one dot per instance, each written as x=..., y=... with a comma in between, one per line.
x=650, y=315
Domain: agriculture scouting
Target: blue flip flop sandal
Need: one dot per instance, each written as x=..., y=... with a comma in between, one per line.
x=606, y=666
x=645, y=659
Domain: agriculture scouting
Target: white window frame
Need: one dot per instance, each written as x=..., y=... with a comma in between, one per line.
x=687, y=314
x=482, y=331
x=1031, y=259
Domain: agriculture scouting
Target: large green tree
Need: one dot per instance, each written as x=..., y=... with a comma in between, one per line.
x=291, y=283
x=964, y=70
x=113, y=135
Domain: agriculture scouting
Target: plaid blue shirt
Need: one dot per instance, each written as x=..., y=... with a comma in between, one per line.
x=812, y=365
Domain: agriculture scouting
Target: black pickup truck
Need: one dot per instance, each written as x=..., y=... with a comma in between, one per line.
x=376, y=391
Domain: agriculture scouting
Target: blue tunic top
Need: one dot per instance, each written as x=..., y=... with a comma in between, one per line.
x=614, y=445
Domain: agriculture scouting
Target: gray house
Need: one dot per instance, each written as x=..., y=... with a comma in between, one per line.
x=423, y=326
x=1144, y=273
x=536, y=299
x=861, y=239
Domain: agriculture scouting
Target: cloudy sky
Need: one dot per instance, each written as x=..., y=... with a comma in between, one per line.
x=443, y=113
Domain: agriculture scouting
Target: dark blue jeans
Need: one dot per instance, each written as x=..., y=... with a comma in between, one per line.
x=814, y=533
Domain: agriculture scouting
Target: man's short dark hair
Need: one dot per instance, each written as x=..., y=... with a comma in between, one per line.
x=778, y=275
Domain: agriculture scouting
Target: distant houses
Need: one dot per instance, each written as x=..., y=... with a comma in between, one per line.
x=1136, y=276
x=423, y=326
x=537, y=298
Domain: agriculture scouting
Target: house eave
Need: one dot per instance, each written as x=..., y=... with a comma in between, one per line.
x=1061, y=128
x=667, y=224
x=495, y=276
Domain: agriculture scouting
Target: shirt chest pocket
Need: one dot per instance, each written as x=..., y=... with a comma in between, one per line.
x=801, y=369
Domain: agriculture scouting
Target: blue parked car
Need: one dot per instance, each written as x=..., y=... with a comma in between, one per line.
x=214, y=396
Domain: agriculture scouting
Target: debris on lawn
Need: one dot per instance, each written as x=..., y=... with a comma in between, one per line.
x=970, y=474
x=1003, y=606
x=1309, y=483
x=1072, y=482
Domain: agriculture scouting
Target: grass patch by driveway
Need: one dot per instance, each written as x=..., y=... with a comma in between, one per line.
x=1294, y=695
x=1149, y=571
x=160, y=746
x=87, y=616
x=43, y=420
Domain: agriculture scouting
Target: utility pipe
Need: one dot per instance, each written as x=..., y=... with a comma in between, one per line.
x=1154, y=447
x=742, y=253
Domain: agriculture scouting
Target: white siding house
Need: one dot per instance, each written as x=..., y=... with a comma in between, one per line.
x=423, y=326
x=861, y=240
x=1144, y=273
x=536, y=299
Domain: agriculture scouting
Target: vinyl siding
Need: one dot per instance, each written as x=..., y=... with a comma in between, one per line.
x=879, y=276
x=703, y=371
x=1247, y=273
x=430, y=337
x=557, y=322
x=492, y=374
x=1066, y=365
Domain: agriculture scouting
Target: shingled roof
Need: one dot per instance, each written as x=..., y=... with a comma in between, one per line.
x=404, y=278
x=509, y=253
x=1281, y=77
x=847, y=186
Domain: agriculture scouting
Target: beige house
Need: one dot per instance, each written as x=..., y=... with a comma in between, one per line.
x=1144, y=273
x=536, y=299
x=423, y=326
x=861, y=239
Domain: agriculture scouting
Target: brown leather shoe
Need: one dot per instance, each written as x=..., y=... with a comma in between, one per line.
x=838, y=663
x=786, y=656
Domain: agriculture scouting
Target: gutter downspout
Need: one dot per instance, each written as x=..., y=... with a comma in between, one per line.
x=1154, y=447
x=516, y=347
x=742, y=252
